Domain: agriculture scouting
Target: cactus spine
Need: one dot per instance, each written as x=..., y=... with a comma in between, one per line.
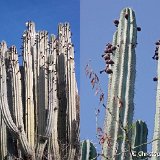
x=121, y=84
x=39, y=100
x=88, y=151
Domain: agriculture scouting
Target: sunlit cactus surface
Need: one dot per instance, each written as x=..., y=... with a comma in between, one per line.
x=39, y=102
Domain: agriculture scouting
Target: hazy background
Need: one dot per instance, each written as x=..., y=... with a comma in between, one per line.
x=97, y=29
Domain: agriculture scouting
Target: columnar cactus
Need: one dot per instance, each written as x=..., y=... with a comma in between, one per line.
x=39, y=100
x=121, y=85
x=88, y=151
x=156, y=135
x=139, y=138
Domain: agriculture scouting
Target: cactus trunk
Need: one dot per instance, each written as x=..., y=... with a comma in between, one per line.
x=156, y=135
x=121, y=85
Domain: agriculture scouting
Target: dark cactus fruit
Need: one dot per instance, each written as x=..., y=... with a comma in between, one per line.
x=156, y=53
x=138, y=28
x=109, y=50
x=109, y=45
x=107, y=62
x=107, y=57
x=110, y=62
x=157, y=48
x=155, y=79
x=114, y=48
x=157, y=58
x=106, y=51
x=157, y=43
x=109, y=71
x=116, y=22
x=102, y=55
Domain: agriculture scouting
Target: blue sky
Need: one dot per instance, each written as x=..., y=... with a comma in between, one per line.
x=45, y=13
x=97, y=29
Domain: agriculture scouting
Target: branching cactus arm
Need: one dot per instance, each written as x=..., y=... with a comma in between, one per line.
x=28, y=39
x=17, y=128
x=5, y=110
x=67, y=93
x=42, y=89
x=54, y=100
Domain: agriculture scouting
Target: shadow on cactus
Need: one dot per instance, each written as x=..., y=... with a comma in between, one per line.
x=88, y=151
x=39, y=100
